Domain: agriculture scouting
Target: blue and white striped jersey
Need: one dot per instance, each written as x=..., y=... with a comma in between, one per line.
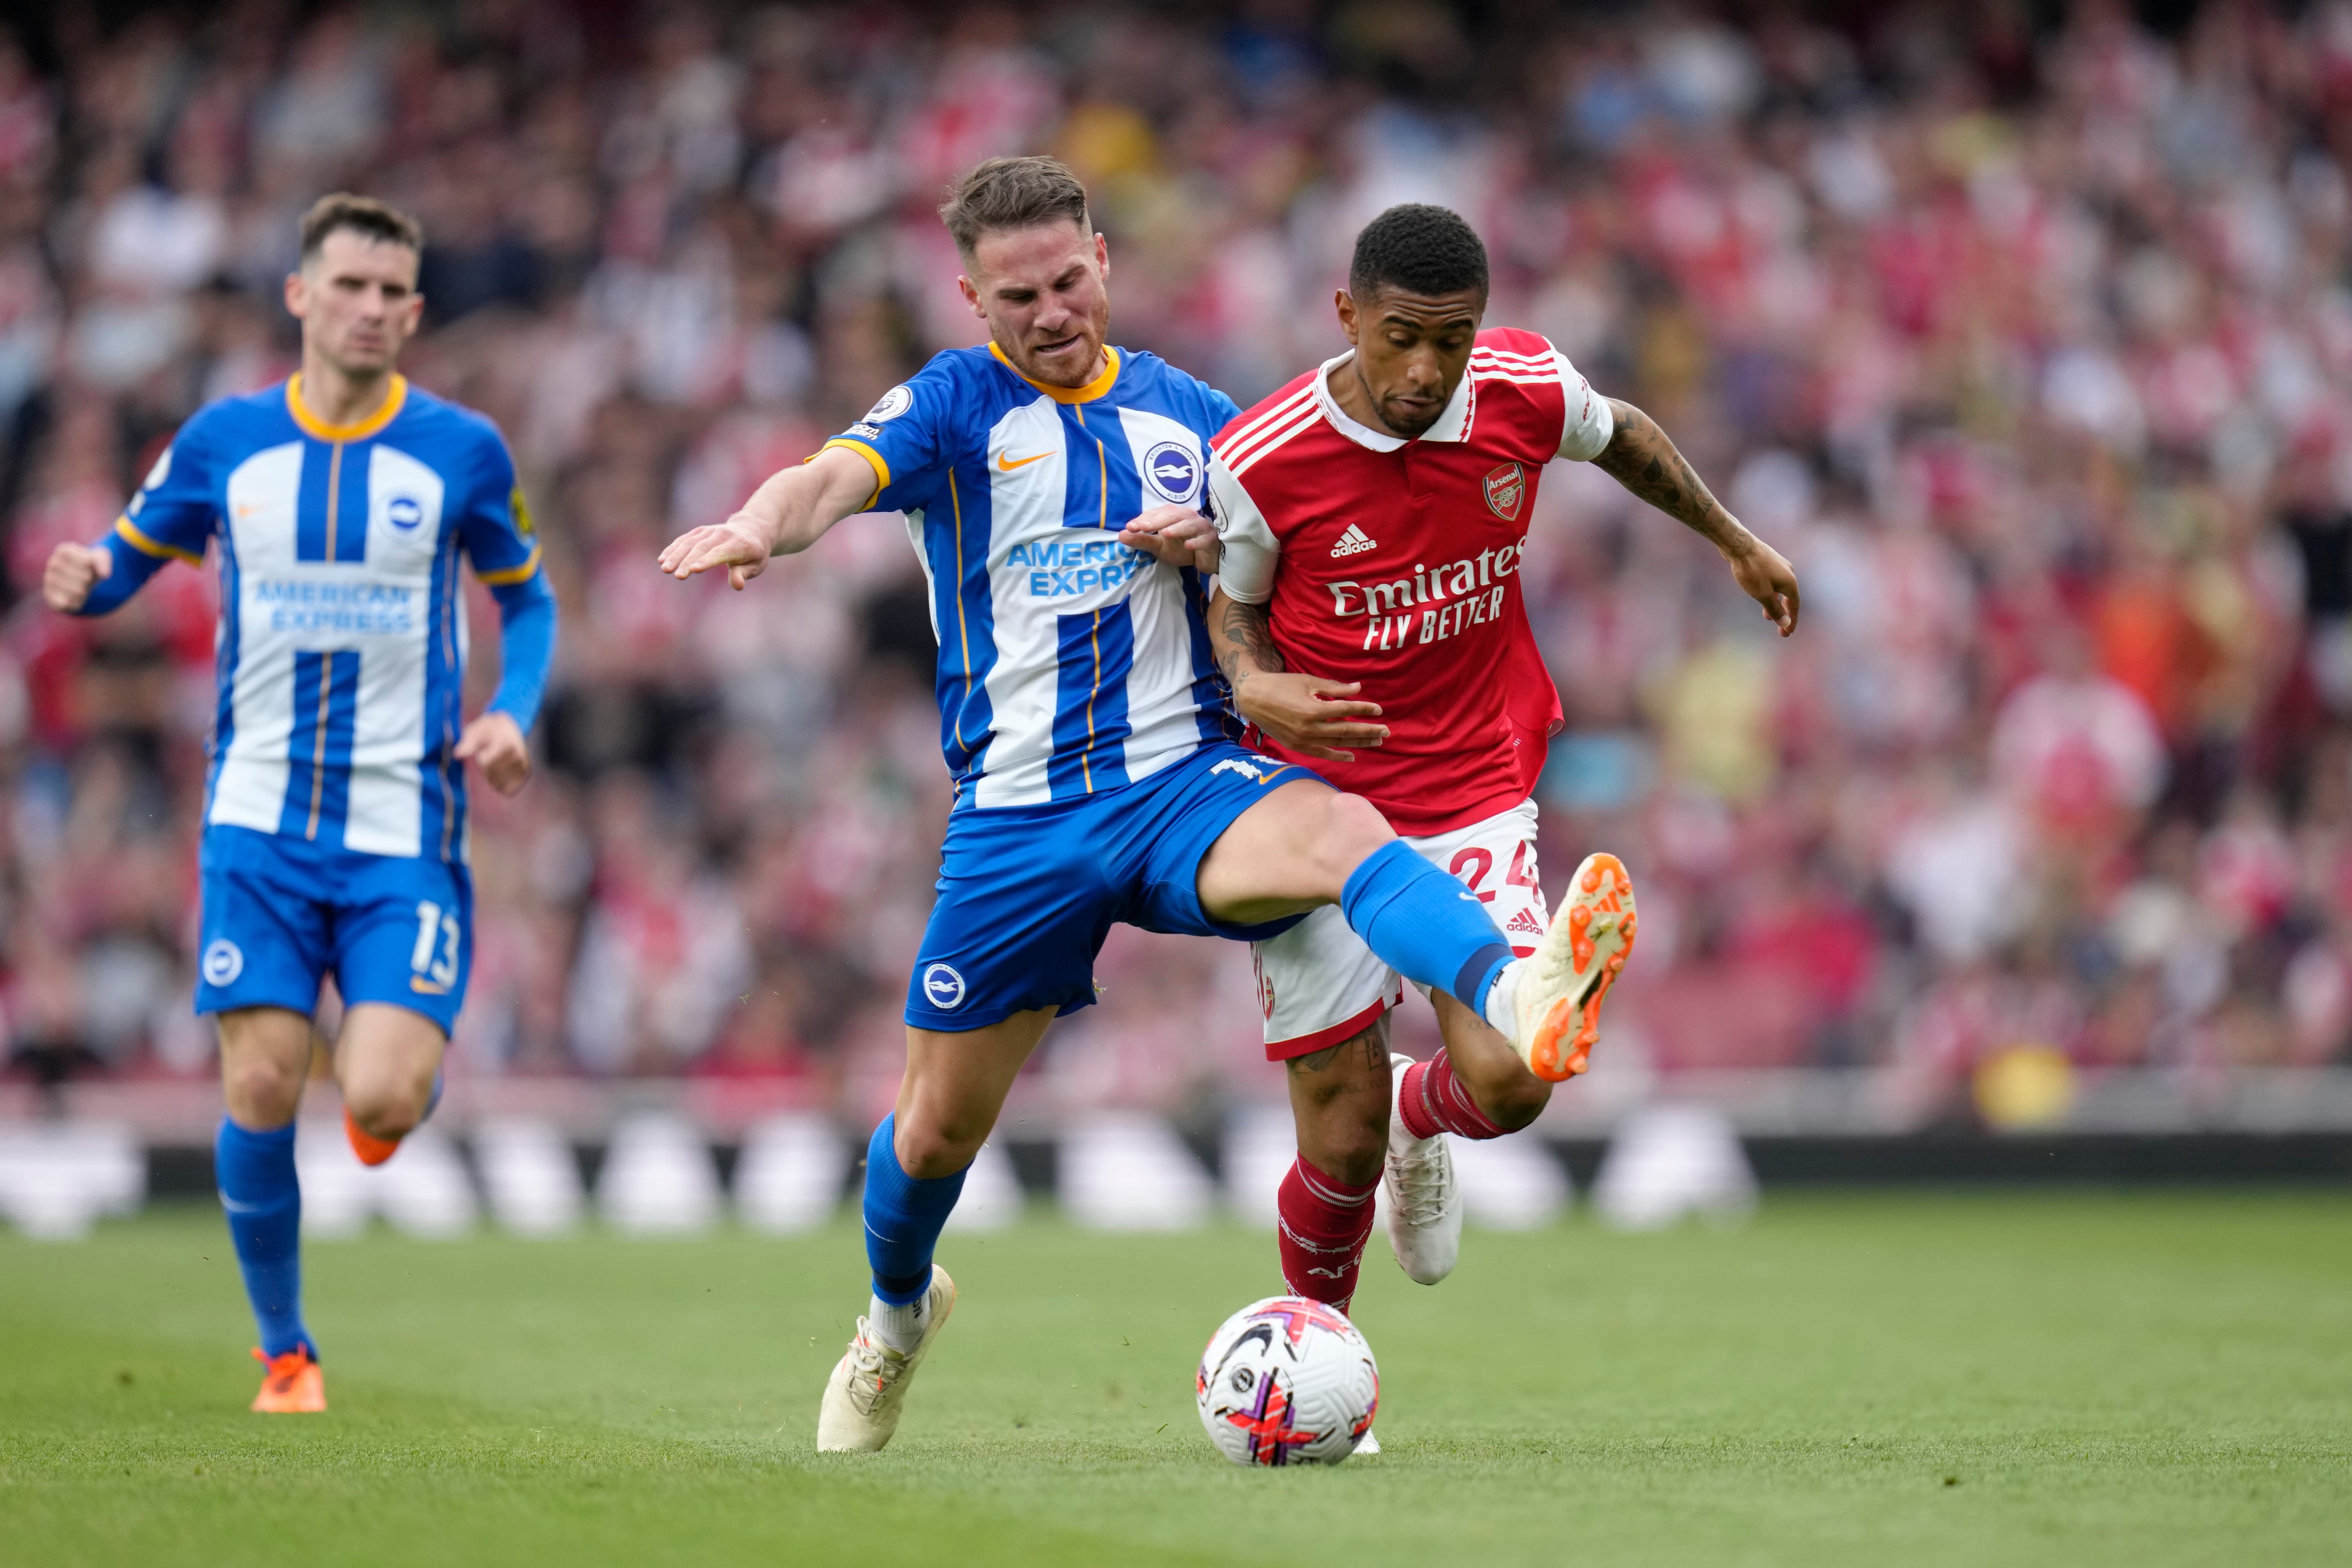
x=1068, y=663
x=342, y=649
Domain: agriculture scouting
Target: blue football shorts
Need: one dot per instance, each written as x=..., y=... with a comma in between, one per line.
x=1028, y=893
x=280, y=912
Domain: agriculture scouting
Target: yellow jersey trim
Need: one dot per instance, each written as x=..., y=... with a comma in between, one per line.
x=148, y=544
x=1095, y=388
x=881, y=469
x=313, y=426
x=506, y=574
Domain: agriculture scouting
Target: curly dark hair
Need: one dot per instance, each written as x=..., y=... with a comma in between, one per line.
x=1421, y=249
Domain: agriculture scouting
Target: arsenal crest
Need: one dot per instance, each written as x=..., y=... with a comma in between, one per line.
x=1507, y=487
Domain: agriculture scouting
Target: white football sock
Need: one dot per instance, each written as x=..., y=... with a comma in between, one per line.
x=900, y=1328
x=1502, y=1012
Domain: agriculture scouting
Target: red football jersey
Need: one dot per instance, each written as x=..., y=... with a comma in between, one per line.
x=1395, y=563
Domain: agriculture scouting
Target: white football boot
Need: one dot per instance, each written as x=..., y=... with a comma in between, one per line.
x=1424, y=1200
x=869, y=1387
x=1554, y=1003
x=1371, y=1445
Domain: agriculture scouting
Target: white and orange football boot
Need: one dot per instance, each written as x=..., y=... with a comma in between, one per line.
x=1557, y=994
x=292, y=1383
x=868, y=1386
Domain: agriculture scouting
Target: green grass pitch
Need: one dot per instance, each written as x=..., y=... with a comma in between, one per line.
x=1964, y=1380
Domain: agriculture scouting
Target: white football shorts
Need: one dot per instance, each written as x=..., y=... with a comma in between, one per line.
x=1319, y=984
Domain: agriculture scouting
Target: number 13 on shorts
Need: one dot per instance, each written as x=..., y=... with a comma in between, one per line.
x=434, y=959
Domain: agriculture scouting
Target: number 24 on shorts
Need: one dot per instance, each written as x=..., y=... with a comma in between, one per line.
x=434, y=957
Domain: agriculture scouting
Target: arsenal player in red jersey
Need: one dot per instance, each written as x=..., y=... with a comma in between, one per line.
x=1368, y=619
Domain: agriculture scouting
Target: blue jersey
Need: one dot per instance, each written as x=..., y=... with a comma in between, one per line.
x=343, y=633
x=1069, y=662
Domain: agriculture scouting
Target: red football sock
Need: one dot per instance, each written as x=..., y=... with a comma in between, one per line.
x=1323, y=1226
x=1434, y=1100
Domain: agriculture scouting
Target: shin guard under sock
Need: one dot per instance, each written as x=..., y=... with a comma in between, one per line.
x=1421, y=923
x=903, y=1216
x=1435, y=1101
x=255, y=1174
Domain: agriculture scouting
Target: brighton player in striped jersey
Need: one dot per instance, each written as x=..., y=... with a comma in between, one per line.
x=340, y=502
x=1369, y=618
x=1050, y=483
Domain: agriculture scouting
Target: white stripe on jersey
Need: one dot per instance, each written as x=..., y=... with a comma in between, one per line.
x=386, y=809
x=1273, y=440
x=1270, y=417
x=1026, y=503
x=249, y=790
x=1274, y=427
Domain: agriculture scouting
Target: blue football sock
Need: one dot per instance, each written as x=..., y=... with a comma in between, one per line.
x=1424, y=924
x=904, y=1215
x=254, y=1172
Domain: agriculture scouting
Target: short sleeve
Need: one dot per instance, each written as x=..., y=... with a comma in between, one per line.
x=496, y=529
x=907, y=437
x=1589, y=425
x=173, y=515
x=1246, y=563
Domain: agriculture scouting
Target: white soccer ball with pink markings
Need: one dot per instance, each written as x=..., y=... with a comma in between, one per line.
x=1287, y=1382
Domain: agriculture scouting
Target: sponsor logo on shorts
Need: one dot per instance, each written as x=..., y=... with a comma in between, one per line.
x=1173, y=469
x=942, y=987
x=224, y=961
x=1525, y=922
x=1506, y=489
x=1250, y=771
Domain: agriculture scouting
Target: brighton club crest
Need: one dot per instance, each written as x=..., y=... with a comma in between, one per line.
x=1507, y=489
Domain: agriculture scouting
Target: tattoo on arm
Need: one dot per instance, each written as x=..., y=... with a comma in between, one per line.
x=1641, y=459
x=1247, y=643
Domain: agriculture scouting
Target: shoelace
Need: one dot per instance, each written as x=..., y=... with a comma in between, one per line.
x=1424, y=1185
x=282, y=1369
x=873, y=1368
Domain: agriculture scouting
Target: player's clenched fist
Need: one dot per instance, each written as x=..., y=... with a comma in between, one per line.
x=741, y=544
x=494, y=742
x=72, y=571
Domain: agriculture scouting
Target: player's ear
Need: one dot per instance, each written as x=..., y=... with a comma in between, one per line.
x=971, y=296
x=298, y=300
x=1102, y=254
x=1345, y=303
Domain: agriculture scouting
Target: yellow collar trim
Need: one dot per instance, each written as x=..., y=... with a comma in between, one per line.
x=315, y=427
x=1086, y=394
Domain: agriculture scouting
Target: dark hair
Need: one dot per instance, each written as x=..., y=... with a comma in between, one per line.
x=1012, y=192
x=361, y=215
x=1420, y=249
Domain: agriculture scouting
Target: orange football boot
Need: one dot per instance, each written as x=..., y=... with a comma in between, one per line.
x=371, y=1150
x=293, y=1385
x=1580, y=960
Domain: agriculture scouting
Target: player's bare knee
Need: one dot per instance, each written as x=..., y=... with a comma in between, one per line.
x=387, y=1110
x=1515, y=1104
x=262, y=1091
x=929, y=1150
x=1352, y=830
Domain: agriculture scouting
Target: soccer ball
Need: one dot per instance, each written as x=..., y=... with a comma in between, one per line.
x=1287, y=1382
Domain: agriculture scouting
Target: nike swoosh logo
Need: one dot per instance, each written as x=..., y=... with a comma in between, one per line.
x=1006, y=462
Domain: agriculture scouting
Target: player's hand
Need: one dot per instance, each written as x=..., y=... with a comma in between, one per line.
x=1176, y=534
x=72, y=571
x=1765, y=576
x=494, y=744
x=741, y=544
x=1310, y=714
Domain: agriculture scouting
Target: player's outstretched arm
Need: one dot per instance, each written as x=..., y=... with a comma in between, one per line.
x=1640, y=456
x=1304, y=713
x=94, y=579
x=784, y=516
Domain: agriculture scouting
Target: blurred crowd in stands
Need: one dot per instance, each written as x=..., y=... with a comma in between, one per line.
x=2024, y=331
